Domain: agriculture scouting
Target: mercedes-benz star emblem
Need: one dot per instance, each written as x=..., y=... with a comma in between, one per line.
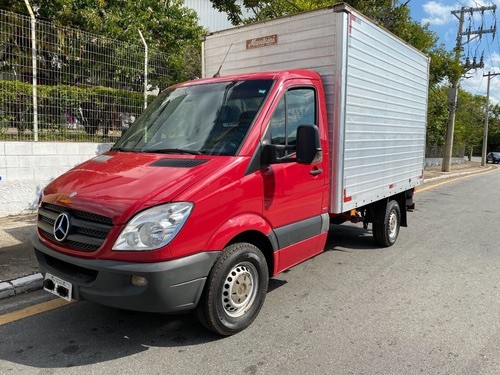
x=61, y=227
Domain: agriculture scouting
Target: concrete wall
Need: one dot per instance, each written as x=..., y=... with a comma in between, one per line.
x=26, y=167
x=435, y=162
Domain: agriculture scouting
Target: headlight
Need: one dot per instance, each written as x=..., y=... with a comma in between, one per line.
x=153, y=228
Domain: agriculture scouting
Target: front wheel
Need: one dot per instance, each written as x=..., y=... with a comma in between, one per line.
x=386, y=233
x=235, y=290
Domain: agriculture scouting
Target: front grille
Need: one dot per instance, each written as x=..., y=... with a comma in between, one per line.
x=87, y=230
x=77, y=213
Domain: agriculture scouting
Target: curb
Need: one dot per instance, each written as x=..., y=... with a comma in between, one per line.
x=456, y=174
x=21, y=285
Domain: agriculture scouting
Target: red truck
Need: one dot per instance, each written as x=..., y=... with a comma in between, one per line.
x=225, y=182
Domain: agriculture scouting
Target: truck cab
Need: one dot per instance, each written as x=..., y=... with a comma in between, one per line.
x=220, y=184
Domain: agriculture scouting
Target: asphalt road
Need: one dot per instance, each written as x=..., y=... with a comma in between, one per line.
x=428, y=305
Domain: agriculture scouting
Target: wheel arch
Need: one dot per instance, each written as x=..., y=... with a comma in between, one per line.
x=248, y=228
x=376, y=210
x=263, y=243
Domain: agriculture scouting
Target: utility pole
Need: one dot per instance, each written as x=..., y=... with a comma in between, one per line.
x=485, y=134
x=34, y=70
x=453, y=91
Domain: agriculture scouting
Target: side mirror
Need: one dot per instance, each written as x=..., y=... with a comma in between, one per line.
x=308, y=144
x=307, y=148
x=268, y=155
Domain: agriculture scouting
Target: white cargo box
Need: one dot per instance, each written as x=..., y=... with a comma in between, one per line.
x=376, y=89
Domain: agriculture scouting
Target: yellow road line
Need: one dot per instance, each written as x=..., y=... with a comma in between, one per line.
x=447, y=181
x=32, y=310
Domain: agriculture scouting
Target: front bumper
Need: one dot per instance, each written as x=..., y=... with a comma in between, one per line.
x=172, y=286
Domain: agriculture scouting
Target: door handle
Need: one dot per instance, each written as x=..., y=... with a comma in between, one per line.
x=316, y=171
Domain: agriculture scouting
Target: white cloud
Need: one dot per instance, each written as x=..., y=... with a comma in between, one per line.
x=494, y=59
x=492, y=64
x=476, y=83
x=439, y=14
x=479, y=3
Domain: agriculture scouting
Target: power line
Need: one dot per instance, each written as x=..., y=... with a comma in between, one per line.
x=477, y=90
x=452, y=94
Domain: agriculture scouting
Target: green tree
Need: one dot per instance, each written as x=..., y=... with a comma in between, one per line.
x=469, y=123
x=169, y=28
x=494, y=128
x=469, y=120
x=437, y=116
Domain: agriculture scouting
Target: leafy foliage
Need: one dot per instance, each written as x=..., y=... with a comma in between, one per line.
x=469, y=119
x=168, y=27
x=494, y=128
x=58, y=103
x=437, y=115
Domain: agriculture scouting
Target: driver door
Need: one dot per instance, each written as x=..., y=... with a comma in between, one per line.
x=294, y=193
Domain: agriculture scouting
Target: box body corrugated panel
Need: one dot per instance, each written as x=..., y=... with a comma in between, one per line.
x=385, y=96
x=375, y=87
x=304, y=41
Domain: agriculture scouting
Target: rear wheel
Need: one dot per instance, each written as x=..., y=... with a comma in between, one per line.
x=386, y=233
x=235, y=290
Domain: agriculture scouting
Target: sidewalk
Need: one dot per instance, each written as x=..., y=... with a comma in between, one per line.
x=18, y=266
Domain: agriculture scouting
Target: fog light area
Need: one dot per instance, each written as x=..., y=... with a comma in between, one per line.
x=139, y=280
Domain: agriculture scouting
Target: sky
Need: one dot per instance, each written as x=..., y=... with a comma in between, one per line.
x=437, y=14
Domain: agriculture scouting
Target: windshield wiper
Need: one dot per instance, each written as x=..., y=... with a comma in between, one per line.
x=172, y=151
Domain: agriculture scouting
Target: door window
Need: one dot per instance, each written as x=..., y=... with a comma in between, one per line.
x=296, y=107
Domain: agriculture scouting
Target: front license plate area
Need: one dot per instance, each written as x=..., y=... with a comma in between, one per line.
x=57, y=286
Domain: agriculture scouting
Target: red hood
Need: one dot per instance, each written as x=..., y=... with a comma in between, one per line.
x=119, y=184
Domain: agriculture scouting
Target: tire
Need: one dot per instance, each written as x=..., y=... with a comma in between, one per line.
x=235, y=290
x=386, y=233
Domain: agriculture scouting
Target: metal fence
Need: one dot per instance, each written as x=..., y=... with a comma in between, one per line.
x=438, y=151
x=71, y=85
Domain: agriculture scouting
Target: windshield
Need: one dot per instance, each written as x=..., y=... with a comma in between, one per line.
x=210, y=119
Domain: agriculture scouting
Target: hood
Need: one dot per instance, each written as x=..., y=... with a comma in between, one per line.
x=117, y=184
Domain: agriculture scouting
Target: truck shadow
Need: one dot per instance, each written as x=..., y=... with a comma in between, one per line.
x=83, y=333
x=350, y=237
